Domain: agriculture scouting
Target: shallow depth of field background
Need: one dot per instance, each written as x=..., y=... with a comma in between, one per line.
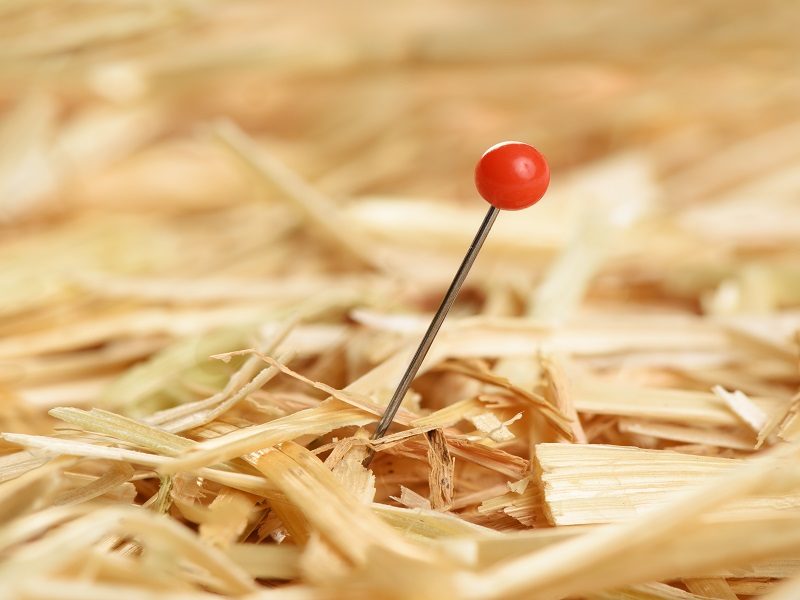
x=105, y=106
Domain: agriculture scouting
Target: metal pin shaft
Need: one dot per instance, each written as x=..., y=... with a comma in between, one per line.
x=433, y=328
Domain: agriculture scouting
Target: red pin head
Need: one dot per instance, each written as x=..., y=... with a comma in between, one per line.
x=512, y=175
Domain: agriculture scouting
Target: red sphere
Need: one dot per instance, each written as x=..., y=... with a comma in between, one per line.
x=512, y=175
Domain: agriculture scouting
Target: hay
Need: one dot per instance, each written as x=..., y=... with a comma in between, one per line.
x=224, y=226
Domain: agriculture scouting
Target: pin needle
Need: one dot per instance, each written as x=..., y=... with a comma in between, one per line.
x=509, y=176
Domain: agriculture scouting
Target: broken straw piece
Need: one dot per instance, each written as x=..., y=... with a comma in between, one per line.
x=596, y=483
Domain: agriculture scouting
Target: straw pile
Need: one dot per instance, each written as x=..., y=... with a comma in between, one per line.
x=224, y=226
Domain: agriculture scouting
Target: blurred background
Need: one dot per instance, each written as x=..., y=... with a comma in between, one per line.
x=197, y=170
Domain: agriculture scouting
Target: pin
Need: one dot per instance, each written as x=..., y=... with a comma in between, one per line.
x=509, y=176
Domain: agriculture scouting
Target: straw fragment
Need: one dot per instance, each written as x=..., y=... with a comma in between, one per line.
x=442, y=467
x=597, y=483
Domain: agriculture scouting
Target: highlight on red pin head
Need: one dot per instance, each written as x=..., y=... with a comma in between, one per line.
x=512, y=175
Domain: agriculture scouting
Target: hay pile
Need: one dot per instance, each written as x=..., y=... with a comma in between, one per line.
x=224, y=226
